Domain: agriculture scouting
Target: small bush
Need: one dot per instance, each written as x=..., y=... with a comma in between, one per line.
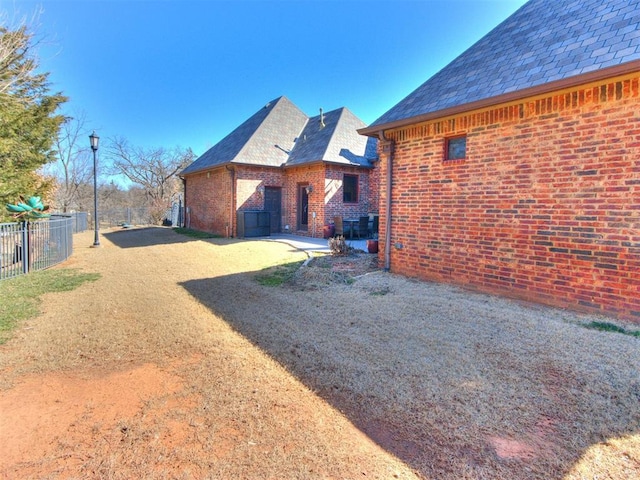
x=338, y=246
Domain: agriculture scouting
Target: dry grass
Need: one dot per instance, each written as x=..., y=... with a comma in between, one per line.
x=458, y=385
x=177, y=363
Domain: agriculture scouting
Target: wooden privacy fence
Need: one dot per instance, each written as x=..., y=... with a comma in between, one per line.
x=35, y=245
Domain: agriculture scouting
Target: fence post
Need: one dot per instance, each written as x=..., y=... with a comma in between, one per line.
x=25, y=247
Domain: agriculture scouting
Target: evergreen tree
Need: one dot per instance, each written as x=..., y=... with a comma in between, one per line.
x=28, y=121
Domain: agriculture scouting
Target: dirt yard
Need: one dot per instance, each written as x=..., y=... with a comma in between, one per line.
x=178, y=364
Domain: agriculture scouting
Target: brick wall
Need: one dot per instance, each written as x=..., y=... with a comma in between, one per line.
x=334, y=193
x=374, y=190
x=326, y=198
x=208, y=201
x=545, y=206
x=209, y=195
x=250, y=184
x=304, y=175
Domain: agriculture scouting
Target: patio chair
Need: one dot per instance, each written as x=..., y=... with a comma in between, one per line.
x=339, y=228
x=363, y=227
x=375, y=225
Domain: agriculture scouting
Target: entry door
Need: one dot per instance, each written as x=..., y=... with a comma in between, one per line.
x=303, y=208
x=272, y=204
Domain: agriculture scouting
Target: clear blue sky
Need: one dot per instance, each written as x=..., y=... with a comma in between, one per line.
x=186, y=73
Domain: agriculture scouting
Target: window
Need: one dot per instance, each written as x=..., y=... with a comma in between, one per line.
x=350, y=189
x=455, y=148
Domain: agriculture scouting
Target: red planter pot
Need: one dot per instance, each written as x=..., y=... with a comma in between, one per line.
x=328, y=231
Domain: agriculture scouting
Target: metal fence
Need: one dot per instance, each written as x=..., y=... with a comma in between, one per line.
x=175, y=215
x=32, y=246
x=80, y=221
x=122, y=216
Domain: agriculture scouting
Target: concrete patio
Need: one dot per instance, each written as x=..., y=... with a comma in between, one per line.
x=309, y=244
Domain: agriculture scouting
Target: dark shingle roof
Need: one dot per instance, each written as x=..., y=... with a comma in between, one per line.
x=264, y=139
x=280, y=134
x=544, y=41
x=337, y=141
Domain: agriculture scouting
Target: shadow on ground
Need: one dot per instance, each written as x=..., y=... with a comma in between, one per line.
x=456, y=385
x=132, y=238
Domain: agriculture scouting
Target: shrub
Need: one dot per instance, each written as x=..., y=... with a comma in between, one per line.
x=338, y=246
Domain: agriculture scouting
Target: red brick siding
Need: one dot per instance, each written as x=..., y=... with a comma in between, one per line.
x=209, y=195
x=374, y=189
x=208, y=202
x=545, y=207
x=304, y=175
x=326, y=198
x=250, y=184
x=334, y=193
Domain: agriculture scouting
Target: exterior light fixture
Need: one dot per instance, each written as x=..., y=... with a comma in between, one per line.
x=309, y=189
x=94, y=139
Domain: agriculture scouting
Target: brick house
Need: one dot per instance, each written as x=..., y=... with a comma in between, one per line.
x=516, y=168
x=302, y=170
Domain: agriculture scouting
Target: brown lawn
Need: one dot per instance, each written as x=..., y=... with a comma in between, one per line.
x=178, y=364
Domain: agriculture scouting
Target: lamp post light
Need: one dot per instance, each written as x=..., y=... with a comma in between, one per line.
x=94, y=139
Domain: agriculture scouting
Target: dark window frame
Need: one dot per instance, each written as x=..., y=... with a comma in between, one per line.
x=455, y=143
x=354, y=189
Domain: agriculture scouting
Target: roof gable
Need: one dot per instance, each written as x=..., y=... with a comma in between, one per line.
x=332, y=137
x=272, y=142
x=544, y=41
x=265, y=139
x=281, y=134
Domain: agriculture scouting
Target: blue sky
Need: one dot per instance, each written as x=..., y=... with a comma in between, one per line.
x=186, y=73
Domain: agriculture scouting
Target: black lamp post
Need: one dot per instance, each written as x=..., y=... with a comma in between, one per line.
x=94, y=139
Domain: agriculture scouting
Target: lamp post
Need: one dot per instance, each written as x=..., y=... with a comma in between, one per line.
x=94, y=139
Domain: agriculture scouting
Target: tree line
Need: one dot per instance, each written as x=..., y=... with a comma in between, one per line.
x=44, y=153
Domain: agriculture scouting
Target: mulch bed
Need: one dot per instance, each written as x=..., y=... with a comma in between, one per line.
x=326, y=270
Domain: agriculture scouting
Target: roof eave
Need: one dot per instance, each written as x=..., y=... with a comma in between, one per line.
x=351, y=165
x=302, y=164
x=323, y=162
x=205, y=169
x=615, y=71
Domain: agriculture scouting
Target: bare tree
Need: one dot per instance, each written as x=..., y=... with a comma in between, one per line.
x=153, y=169
x=74, y=169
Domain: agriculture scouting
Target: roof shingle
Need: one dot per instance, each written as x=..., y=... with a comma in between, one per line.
x=263, y=139
x=337, y=141
x=544, y=41
x=281, y=134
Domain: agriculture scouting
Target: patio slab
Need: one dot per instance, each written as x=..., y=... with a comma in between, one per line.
x=309, y=244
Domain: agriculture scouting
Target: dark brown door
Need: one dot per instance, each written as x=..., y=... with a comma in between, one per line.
x=303, y=208
x=273, y=204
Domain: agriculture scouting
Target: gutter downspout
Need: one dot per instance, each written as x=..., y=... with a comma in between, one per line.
x=232, y=171
x=388, y=144
x=182, y=215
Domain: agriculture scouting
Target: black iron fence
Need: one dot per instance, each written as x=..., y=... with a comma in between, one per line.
x=80, y=221
x=124, y=216
x=32, y=246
